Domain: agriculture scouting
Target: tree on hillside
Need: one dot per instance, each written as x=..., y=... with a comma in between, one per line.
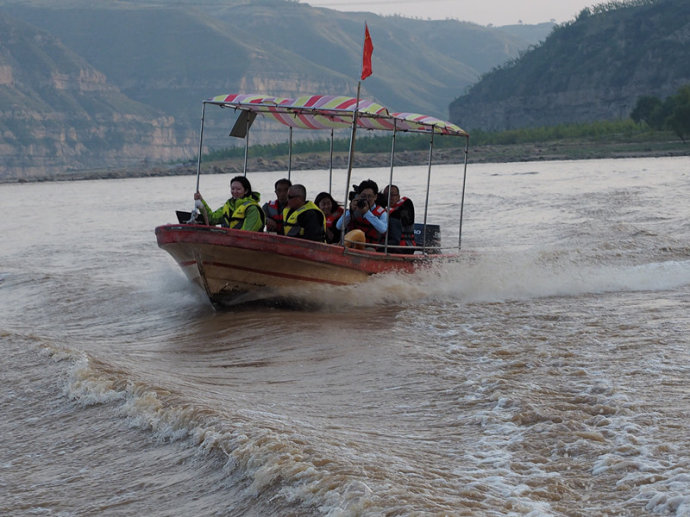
x=646, y=110
x=679, y=120
x=672, y=113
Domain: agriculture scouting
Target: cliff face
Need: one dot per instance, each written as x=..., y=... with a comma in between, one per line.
x=584, y=104
x=594, y=68
x=61, y=113
x=61, y=143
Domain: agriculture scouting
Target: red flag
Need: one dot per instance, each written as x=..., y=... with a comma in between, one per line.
x=368, y=51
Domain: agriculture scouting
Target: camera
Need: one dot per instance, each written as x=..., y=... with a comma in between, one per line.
x=361, y=203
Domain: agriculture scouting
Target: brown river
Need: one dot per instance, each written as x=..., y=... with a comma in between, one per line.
x=546, y=373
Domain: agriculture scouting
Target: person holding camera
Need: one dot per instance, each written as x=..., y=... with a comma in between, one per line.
x=364, y=214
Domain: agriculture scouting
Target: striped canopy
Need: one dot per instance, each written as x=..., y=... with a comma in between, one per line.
x=333, y=112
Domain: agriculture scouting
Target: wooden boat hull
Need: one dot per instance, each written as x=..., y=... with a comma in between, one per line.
x=234, y=266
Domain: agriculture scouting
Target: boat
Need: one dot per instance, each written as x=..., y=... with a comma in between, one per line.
x=235, y=266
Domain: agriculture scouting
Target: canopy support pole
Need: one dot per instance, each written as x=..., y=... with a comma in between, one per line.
x=201, y=140
x=350, y=157
x=290, y=154
x=246, y=147
x=330, y=168
x=428, y=183
x=462, y=197
x=390, y=182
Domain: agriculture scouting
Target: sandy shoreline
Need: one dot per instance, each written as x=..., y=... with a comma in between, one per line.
x=549, y=151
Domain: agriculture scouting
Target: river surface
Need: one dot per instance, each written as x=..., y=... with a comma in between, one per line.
x=546, y=373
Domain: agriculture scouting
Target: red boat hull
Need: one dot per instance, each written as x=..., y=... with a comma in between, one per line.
x=236, y=265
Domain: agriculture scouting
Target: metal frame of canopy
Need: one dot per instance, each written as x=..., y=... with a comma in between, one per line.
x=326, y=112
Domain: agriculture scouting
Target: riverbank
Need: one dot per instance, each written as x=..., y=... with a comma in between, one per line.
x=547, y=151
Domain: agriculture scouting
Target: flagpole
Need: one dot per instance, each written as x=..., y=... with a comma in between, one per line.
x=367, y=50
x=350, y=157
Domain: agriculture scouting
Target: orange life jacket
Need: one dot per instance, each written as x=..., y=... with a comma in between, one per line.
x=407, y=235
x=360, y=223
x=273, y=211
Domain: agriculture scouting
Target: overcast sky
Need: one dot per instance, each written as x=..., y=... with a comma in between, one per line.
x=483, y=12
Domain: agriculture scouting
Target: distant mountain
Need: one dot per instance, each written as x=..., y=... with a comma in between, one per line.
x=593, y=68
x=151, y=63
x=532, y=33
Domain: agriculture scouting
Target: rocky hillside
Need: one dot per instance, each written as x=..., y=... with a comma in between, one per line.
x=58, y=112
x=89, y=82
x=593, y=68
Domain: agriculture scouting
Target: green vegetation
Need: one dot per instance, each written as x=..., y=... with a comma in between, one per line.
x=606, y=131
x=672, y=114
x=597, y=131
x=366, y=145
x=612, y=6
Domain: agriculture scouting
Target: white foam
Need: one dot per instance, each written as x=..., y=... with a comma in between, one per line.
x=88, y=389
x=170, y=287
x=663, y=503
x=495, y=279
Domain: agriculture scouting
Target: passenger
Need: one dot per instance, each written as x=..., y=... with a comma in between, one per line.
x=302, y=218
x=274, y=209
x=332, y=211
x=364, y=214
x=400, y=219
x=241, y=211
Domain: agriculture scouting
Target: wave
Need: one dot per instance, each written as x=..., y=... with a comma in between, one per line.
x=263, y=461
x=269, y=462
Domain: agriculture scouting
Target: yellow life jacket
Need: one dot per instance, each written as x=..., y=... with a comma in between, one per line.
x=239, y=210
x=291, y=227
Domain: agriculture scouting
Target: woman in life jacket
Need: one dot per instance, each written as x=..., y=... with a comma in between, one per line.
x=364, y=214
x=242, y=211
x=400, y=220
x=332, y=211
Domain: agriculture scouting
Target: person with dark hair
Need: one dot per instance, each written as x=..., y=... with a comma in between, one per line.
x=400, y=219
x=242, y=211
x=364, y=215
x=302, y=218
x=332, y=211
x=274, y=209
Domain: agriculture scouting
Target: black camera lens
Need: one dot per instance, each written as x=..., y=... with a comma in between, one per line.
x=361, y=203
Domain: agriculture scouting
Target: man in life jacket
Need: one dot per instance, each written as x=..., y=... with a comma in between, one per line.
x=274, y=209
x=364, y=214
x=400, y=219
x=302, y=218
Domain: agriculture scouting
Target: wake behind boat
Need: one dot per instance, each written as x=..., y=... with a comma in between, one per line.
x=233, y=266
